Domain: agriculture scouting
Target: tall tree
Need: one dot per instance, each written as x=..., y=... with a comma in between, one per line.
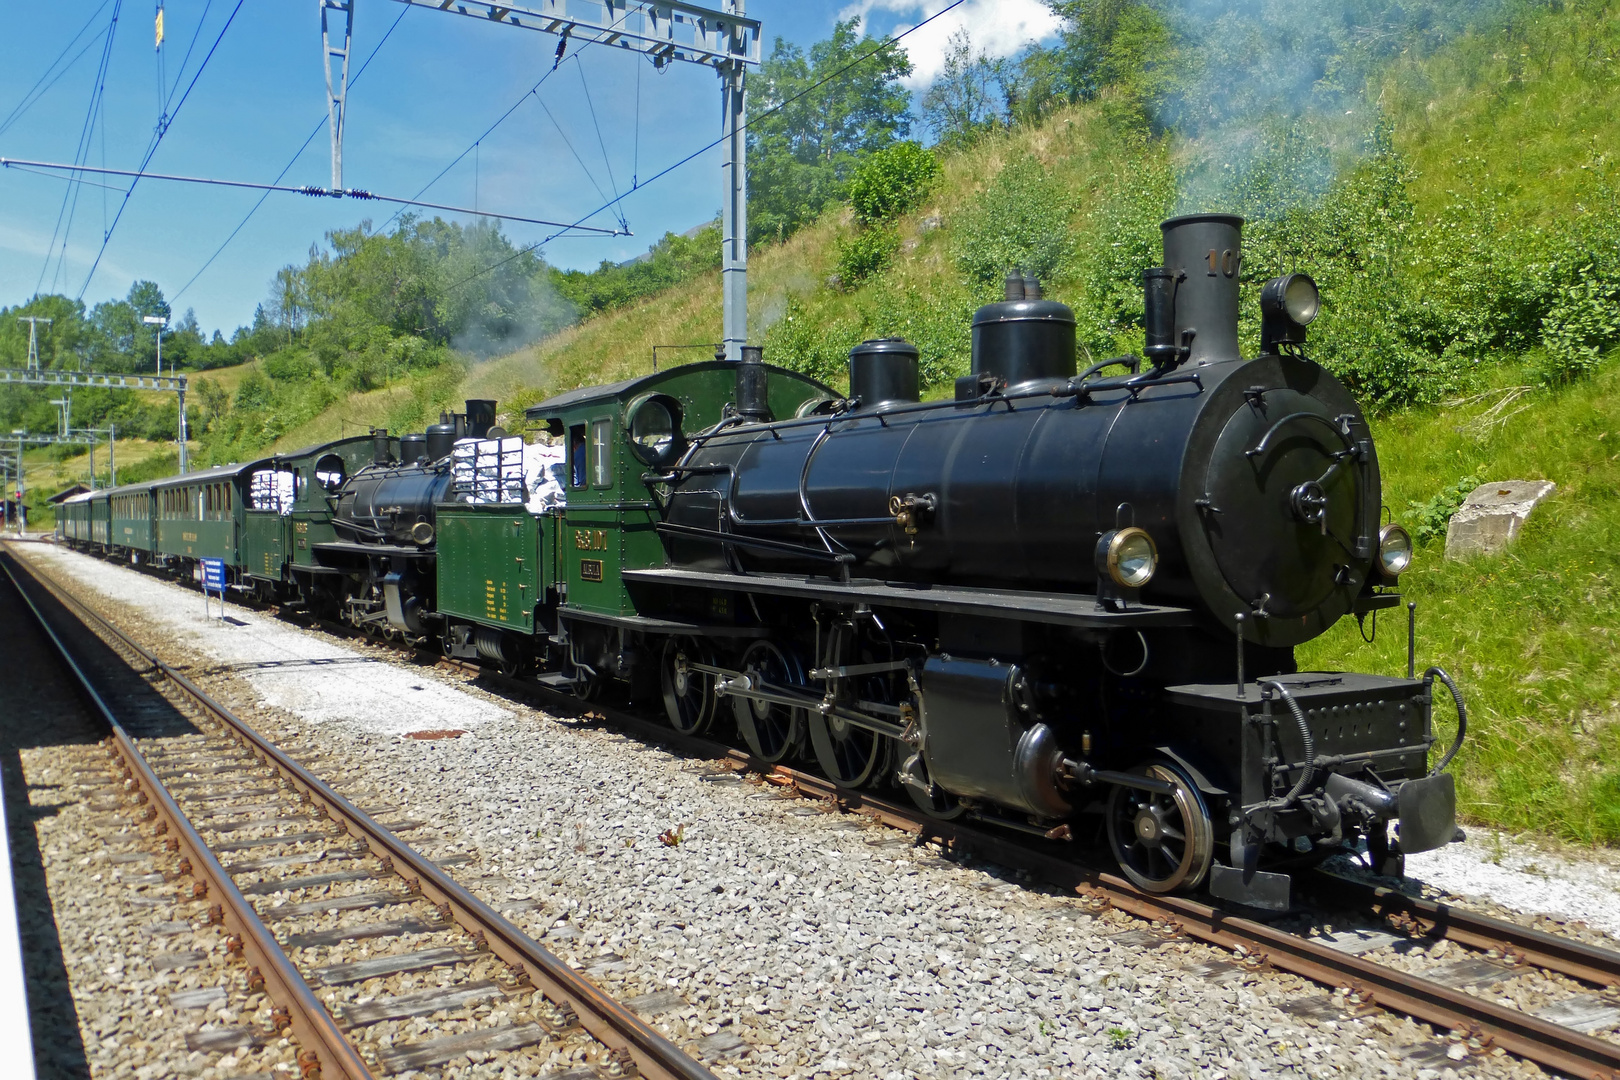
x=970, y=96
x=802, y=153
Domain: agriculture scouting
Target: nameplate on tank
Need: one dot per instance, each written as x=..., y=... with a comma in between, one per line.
x=590, y=569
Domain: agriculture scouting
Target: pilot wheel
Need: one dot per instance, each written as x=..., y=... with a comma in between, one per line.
x=1163, y=841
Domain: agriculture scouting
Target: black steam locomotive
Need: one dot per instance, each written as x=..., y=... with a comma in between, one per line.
x=1061, y=591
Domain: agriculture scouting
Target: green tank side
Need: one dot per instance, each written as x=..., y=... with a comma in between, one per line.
x=490, y=564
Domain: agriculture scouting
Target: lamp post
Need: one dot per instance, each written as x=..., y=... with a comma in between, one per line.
x=22, y=515
x=161, y=324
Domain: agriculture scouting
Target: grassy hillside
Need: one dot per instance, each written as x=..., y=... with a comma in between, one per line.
x=1530, y=635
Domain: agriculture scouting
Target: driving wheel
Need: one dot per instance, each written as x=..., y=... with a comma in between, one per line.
x=688, y=694
x=772, y=731
x=848, y=754
x=1163, y=841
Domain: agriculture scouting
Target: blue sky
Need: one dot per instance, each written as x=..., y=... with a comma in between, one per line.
x=434, y=86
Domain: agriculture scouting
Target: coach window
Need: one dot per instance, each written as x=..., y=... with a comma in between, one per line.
x=576, y=455
x=601, y=452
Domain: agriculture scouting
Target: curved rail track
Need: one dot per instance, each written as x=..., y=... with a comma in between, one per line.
x=173, y=780
x=1371, y=985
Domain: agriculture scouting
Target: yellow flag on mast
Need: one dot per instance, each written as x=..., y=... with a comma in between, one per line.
x=159, y=43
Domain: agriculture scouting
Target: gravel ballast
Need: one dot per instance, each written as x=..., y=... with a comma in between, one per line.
x=770, y=936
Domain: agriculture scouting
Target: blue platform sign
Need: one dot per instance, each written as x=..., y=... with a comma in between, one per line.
x=213, y=575
x=213, y=581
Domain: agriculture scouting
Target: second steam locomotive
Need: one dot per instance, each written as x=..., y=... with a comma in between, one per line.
x=1064, y=602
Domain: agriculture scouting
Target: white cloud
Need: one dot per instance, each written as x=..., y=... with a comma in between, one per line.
x=996, y=27
x=19, y=275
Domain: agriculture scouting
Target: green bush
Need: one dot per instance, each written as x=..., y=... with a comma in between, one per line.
x=866, y=253
x=1021, y=220
x=1430, y=517
x=891, y=181
x=937, y=322
x=805, y=343
x=1124, y=240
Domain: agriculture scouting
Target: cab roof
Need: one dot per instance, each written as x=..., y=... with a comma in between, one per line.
x=669, y=380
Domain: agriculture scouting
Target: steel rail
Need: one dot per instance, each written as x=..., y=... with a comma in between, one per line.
x=1548, y=1044
x=611, y=1023
x=310, y=1022
x=1576, y=959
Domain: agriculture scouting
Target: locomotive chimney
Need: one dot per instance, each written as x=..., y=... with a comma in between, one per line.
x=1204, y=254
x=382, y=450
x=753, y=389
x=480, y=417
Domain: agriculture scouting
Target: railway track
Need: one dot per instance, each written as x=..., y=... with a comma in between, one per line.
x=1496, y=949
x=257, y=832
x=1442, y=1002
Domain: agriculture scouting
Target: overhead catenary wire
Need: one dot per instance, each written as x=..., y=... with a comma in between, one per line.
x=556, y=62
x=98, y=88
x=305, y=189
x=778, y=107
x=569, y=143
x=316, y=130
x=151, y=150
x=613, y=183
x=168, y=95
x=41, y=85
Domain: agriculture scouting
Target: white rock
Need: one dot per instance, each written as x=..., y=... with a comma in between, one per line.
x=1492, y=515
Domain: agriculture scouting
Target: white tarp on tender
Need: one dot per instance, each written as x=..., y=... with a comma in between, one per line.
x=508, y=471
x=545, y=470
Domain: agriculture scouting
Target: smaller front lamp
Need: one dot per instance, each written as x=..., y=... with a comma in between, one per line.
x=1128, y=556
x=1394, y=551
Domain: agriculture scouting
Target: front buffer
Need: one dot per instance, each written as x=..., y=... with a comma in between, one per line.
x=1324, y=758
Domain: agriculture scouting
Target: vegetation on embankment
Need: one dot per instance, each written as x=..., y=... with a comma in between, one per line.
x=1530, y=635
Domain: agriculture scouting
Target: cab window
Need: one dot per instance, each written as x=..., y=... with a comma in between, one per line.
x=601, y=452
x=576, y=455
